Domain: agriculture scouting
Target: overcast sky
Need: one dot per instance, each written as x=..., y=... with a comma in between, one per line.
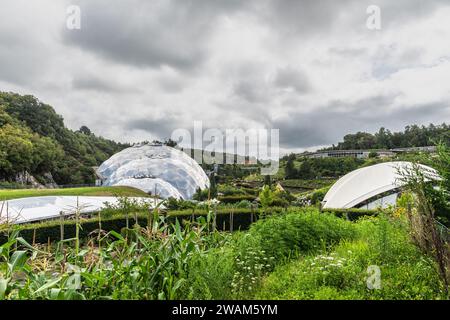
x=138, y=69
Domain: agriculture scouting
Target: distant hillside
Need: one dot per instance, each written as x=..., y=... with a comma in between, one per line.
x=35, y=141
x=412, y=136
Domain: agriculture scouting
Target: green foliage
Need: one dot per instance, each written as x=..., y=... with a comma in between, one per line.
x=442, y=202
x=289, y=170
x=152, y=266
x=352, y=214
x=316, y=256
x=33, y=138
x=308, y=184
x=236, y=198
x=314, y=197
x=266, y=196
x=229, y=190
x=406, y=200
x=178, y=204
x=314, y=168
x=201, y=195
x=244, y=204
x=342, y=273
x=299, y=231
x=210, y=275
x=212, y=186
x=412, y=136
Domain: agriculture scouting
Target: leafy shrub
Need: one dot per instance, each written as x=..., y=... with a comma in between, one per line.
x=300, y=231
x=244, y=204
x=228, y=190
x=178, y=204
x=352, y=214
x=342, y=273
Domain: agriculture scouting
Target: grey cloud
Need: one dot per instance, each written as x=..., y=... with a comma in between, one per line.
x=23, y=57
x=327, y=125
x=290, y=78
x=251, y=91
x=161, y=127
x=391, y=59
x=18, y=65
x=312, y=18
x=95, y=83
x=148, y=33
x=136, y=36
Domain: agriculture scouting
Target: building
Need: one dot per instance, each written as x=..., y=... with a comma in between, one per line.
x=371, y=187
x=364, y=153
x=349, y=153
x=156, y=169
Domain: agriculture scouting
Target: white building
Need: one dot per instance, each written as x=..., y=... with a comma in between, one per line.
x=155, y=169
x=372, y=187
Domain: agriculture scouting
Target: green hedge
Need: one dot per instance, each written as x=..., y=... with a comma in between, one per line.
x=236, y=198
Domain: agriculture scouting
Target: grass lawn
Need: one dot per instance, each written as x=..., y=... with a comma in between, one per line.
x=85, y=191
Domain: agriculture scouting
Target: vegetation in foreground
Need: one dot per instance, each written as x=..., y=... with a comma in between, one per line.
x=301, y=254
x=119, y=191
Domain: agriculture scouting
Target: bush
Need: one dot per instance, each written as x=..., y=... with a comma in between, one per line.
x=303, y=231
x=343, y=272
x=352, y=214
x=244, y=204
x=228, y=190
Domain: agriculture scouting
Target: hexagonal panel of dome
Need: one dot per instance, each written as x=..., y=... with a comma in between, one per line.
x=156, y=169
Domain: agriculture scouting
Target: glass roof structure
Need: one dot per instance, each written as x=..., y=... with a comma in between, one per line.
x=50, y=207
x=367, y=183
x=156, y=169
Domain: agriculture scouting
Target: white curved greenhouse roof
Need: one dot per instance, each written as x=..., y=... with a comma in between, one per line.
x=49, y=207
x=368, y=182
x=159, y=169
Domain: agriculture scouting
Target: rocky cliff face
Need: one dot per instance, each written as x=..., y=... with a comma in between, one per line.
x=27, y=179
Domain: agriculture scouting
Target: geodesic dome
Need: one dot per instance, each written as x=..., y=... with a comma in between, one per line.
x=372, y=186
x=155, y=168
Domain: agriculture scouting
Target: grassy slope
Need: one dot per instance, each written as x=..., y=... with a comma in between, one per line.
x=85, y=191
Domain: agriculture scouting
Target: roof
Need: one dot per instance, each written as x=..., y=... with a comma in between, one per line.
x=31, y=209
x=365, y=183
x=155, y=168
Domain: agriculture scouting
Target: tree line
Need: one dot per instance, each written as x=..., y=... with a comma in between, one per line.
x=412, y=136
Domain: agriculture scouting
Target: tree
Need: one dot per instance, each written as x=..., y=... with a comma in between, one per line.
x=267, y=180
x=17, y=150
x=85, y=130
x=170, y=143
x=37, y=141
x=290, y=171
x=305, y=171
x=373, y=154
x=383, y=139
x=266, y=197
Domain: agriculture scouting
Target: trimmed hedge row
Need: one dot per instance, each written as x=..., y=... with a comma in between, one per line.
x=236, y=198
